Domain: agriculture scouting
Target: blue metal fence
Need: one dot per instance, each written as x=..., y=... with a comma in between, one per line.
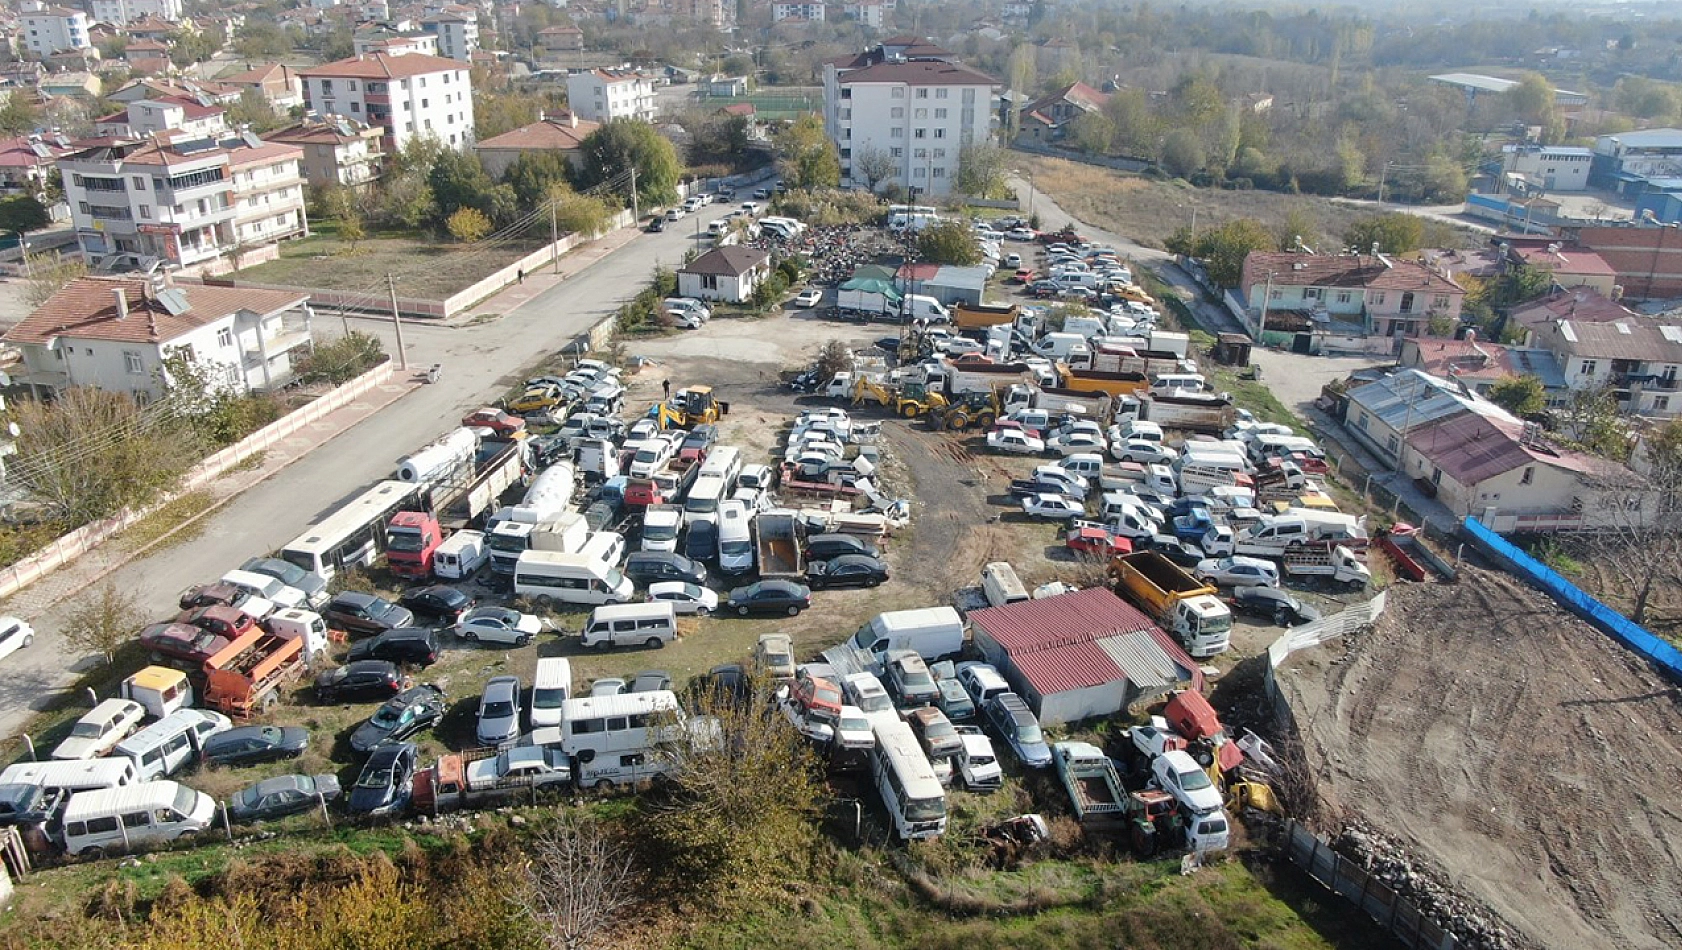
x=1620, y=628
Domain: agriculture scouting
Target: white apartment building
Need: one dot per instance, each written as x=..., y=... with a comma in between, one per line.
x=1549, y=167
x=869, y=13
x=393, y=43
x=457, y=32
x=119, y=12
x=920, y=112
x=337, y=151
x=410, y=97
x=47, y=31
x=145, y=117
x=268, y=182
x=813, y=12
x=602, y=95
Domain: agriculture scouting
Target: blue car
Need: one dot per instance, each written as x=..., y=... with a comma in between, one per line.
x=383, y=787
x=1014, y=722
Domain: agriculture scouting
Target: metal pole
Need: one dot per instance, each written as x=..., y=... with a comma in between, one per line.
x=23, y=254
x=554, y=238
x=1267, y=297
x=1383, y=176
x=29, y=747
x=397, y=321
x=636, y=214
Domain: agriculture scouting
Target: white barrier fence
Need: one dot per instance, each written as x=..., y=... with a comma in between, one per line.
x=1325, y=629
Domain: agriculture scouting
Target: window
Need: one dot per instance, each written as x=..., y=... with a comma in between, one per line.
x=145, y=211
x=1661, y=403
x=133, y=363
x=896, y=133
x=922, y=113
x=939, y=173
x=1529, y=473
x=1343, y=296
x=327, y=87
x=916, y=173
x=1588, y=368
x=941, y=93
x=969, y=97
x=940, y=113
x=225, y=337
x=139, y=183
x=1378, y=300
x=426, y=103
x=899, y=92
x=939, y=153
x=896, y=152
x=922, y=93
x=356, y=107
x=1311, y=293
x=941, y=133
x=1439, y=302
x=898, y=112
x=353, y=85
x=920, y=133
x=1276, y=294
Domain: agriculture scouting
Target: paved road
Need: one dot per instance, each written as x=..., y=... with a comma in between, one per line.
x=480, y=362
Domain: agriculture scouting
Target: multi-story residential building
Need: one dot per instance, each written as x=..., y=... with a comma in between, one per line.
x=148, y=58
x=559, y=41
x=871, y=13
x=1549, y=167
x=1640, y=358
x=602, y=95
x=26, y=162
x=47, y=31
x=562, y=133
x=116, y=332
x=1389, y=297
x=151, y=116
x=411, y=97
x=811, y=12
x=457, y=29
x=337, y=150
x=907, y=99
x=120, y=12
x=277, y=83
x=393, y=43
x=185, y=199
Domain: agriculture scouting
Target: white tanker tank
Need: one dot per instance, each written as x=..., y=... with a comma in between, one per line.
x=549, y=494
x=447, y=456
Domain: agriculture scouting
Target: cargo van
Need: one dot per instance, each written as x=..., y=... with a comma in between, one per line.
x=1001, y=585
x=651, y=625
x=933, y=632
x=1169, y=384
x=83, y=776
x=607, y=547
x=556, y=577
x=159, y=690
x=925, y=308
x=171, y=742
x=1062, y=346
x=735, y=537
x=701, y=504
x=460, y=556
x=551, y=687
x=116, y=820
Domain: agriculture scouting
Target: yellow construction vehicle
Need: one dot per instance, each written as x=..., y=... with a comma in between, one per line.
x=1245, y=795
x=909, y=400
x=688, y=408
x=976, y=409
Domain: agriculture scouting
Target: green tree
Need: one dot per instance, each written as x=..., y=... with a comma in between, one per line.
x=1532, y=100
x=1196, y=99
x=468, y=225
x=1443, y=179
x=1223, y=249
x=139, y=455
x=1182, y=153
x=806, y=156
x=1093, y=133
x=578, y=214
x=19, y=115
x=981, y=170
x=1137, y=128
x=616, y=147
x=949, y=242
x=23, y=213
x=1299, y=227
x=1395, y=232
x=459, y=181
x=1023, y=72
x=101, y=623
x=1523, y=396
x=341, y=360
x=534, y=175
x=254, y=110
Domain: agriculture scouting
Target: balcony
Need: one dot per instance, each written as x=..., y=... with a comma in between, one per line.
x=292, y=335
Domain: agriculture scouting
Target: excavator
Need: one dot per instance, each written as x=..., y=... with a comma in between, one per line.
x=688, y=408
x=908, y=400
x=975, y=409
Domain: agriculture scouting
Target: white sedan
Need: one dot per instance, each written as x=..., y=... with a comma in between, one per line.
x=1238, y=571
x=1015, y=441
x=1142, y=451
x=808, y=297
x=1076, y=443
x=1053, y=507
x=685, y=598
x=14, y=635
x=491, y=624
x=1020, y=234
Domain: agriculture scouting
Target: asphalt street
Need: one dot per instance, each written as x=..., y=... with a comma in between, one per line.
x=479, y=362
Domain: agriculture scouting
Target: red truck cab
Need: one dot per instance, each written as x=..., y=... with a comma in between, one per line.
x=411, y=538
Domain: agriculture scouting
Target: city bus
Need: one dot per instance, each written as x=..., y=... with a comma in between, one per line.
x=910, y=792
x=354, y=534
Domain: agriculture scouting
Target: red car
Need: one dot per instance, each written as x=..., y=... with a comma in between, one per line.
x=220, y=620
x=1097, y=542
x=183, y=642
x=1003, y=424
x=502, y=423
x=1024, y=275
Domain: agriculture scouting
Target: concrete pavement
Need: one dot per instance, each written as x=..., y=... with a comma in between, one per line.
x=481, y=360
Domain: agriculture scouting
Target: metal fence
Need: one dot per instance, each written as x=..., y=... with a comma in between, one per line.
x=1340, y=624
x=1395, y=913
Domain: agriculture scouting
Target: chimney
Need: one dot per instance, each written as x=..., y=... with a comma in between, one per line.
x=1472, y=335
x=122, y=302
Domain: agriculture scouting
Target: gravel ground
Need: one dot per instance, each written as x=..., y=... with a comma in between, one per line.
x=1526, y=756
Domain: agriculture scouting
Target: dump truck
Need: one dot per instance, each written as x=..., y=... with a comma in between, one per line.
x=247, y=675
x=1183, y=605
x=1094, y=788
x=1111, y=358
x=480, y=777
x=1412, y=558
x=1198, y=412
x=954, y=378
x=970, y=316
x=777, y=535
x=1093, y=381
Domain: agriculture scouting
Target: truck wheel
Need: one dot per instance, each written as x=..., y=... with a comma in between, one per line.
x=909, y=412
x=603, y=644
x=604, y=785
x=545, y=600
x=586, y=755
x=654, y=643
x=986, y=420
x=957, y=420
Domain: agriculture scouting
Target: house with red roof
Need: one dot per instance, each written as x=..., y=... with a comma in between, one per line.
x=561, y=132
x=1388, y=296
x=411, y=96
x=27, y=161
x=1046, y=118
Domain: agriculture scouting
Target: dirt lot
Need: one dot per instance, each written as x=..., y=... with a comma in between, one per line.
x=1517, y=749
x=424, y=268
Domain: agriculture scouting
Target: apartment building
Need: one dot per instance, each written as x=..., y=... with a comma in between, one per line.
x=411, y=96
x=457, y=29
x=277, y=83
x=26, y=162
x=47, y=31
x=336, y=150
x=178, y=114
x=602, y=95
x=912, y=102
x=1390, y=297
x=1549, y=167
x=268, y=184
x=810, y=12
x=120, y=12
x=394, y=43
x=871, y=13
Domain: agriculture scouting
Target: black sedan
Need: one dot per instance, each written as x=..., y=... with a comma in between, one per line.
x=770, y=597
x=415, y=709
x=1274, y=604
x=360, y=681
x=1180, y=552
x=824, y=547
x=383, y=786
x=417, y=645
x=246, y=745
x=725, y=683
x=440, y=603
x=848, y=570
x=648, y=567
x=281, y=796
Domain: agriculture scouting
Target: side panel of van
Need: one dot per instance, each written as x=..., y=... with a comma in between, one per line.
x=652, y=625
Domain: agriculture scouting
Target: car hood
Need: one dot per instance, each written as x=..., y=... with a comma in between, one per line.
x=370, y=799
x=327, y=786
x=368, y=735
x=76, y=748
x=1036, y=754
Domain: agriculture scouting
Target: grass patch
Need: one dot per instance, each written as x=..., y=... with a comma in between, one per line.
x=173, y=517
x=425, y=267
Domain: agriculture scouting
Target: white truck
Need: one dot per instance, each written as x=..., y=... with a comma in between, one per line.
x=777, y=536
x=565, y=532
x=1094, y=788
x=1338, y=565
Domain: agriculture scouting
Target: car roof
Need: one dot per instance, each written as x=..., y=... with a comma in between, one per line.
x=502, y=684
x=366, y=666
x=354, y=597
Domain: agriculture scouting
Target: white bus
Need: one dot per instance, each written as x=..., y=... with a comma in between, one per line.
x=906, y=781
x=353, y=534
x=602, y=726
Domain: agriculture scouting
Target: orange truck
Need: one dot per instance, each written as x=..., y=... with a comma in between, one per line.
x=247, y=675
x=971, y=316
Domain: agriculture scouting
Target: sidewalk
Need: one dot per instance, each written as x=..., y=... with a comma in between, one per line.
x=88, y=570
x=516, y=295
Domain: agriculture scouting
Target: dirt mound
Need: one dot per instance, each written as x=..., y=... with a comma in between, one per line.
x=1518, y=749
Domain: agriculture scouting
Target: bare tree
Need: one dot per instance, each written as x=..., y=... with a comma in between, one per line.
x=103, y=622
x=1637, y=517
x=90, y=453
x=48, y=273
x=874, y=165
x=578, y=884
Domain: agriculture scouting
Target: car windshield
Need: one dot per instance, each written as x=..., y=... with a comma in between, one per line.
x=854, y=724
x=827, y=695
x=874, y=702
x=403, y=540
x=550, y=698
x=388, y=717
x=497, y=710
x=250, y=797
x=659, y=532
x=289, y=574
x=939, y=729
x=918, y=680
x=1028, y=732
x=737, y=548
x=925, y=809
x=185, y=799
x=86, y=730
x=375, y=778
x=1194, y=780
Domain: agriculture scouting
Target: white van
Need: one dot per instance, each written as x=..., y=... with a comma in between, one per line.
x=171, y=742
x=460, y=556
x=85, y=776
x=1061, y=346
x=551, y=687
x=556, y=577
x=269, y=588
x=701, y=504
x=924, y=307
x=725, y=461
x=607, y=547
x=117, y=819
x=718, y=226
x=735, y=537
x=1001, y=585
x=933, y=632
x=629, y=722
x=652, y=625
x=1169, y=384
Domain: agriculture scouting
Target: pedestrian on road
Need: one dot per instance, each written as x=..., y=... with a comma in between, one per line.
x=666, y=385
x=522, y=274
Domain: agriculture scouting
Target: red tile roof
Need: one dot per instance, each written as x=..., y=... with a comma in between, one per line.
x=732, y=260
x=258, y=75
x=383, y=66
x=1567, y=261
x=920, y=73
x=543, y=135
x=86, y=309
x=1080, y=617
x=1292, y=269
x=1472, y=448
x=1577, y=304
x=19, y=153
x=267, y=152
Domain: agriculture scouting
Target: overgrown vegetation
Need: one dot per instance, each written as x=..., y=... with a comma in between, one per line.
x=948, y=242
x=339, y=361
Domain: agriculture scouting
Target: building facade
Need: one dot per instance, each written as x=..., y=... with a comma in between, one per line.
x=336, y=151
x=410, y=97
x=730, y=273
x=56, y=28
x=1549, y=167
x=810, y=12
x=457, y=31
x=563, y=133
x=1391, y=297
x=119, y=12
x=602, y=95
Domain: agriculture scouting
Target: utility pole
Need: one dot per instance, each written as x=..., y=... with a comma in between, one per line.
x=1267, y=297
x=554, y=238
x=397, y=322
x=1383, y=177
x=23, y=255
x=636, y=214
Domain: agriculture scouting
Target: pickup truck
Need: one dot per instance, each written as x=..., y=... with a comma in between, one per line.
x=1339, y=565
x=482, y=776
x=1090, y=778
x=1021, y=488
x=977, y=765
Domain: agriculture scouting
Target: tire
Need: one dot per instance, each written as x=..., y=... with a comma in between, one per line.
x=29, y=640
x=909, y=412
x=986, y=420
x=957, y=420
x=470, y=636
x=654, y=643
x=603, y=645
x=873, y=582
x=603, y=785
x=522, y=641
x=793, y=611
x=702, y=611
x=742, y=611
x=545, y=600
x=94, y=854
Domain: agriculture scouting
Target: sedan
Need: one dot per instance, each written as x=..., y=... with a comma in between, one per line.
x=360, y=681
x=1053, y=507
x=498, y=625
x=230, y=623
x=1183, y=553
x=825, y=547
x=359, y=613
x=1016, y=441
x=383, y=787
x=609, y=686
x=409, y=712
x=246, y=745
x=647, y=567
x=1238, y=571
x=651, y=681
x=1021, y=234
x=848, y=570
x=809, y=297
x=1142, y=451
x=1096, y=541
x=183, y=642
x=499, y=711
x=502, y=423
x=1271, y=602
x=281, y=796
x=770, y=597
x=685, y=598
x=1076, y=443
x=439, y=602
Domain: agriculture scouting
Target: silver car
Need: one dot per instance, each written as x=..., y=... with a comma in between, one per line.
x=499, y=711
